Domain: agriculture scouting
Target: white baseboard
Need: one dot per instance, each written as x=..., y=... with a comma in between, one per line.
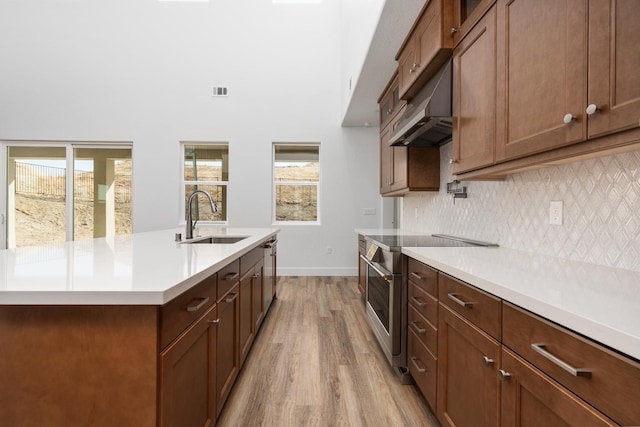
x=315, y=271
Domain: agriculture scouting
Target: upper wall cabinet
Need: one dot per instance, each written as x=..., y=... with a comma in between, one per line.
x=614, y=62
x=426, y=48
x=474, y=97
x=465, y=15
x=567, y=71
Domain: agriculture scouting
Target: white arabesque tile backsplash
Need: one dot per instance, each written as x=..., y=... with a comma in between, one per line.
x=601, y=210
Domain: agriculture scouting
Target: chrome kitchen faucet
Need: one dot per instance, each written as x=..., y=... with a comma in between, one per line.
x=190, y=223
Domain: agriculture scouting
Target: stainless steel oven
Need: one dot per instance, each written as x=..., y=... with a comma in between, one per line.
x=383, y=297
x=386, y=291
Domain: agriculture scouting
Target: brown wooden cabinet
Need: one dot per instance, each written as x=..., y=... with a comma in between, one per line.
x=590, y=371
x=426, y=48
x=404, y=169
x=614, y=61
x=578, y=54
x=530, y=398
x=188, y=375
x=498, y=364
x=422, y=322
x=465, y=15
x=474, y=97
x=542, y=75
x=468, y=362
x=566, y=85
x=251, y=299
x=227, y=349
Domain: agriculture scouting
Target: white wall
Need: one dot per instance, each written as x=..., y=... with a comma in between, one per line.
x=359, y=21
x=142, y=71
x=601, y=199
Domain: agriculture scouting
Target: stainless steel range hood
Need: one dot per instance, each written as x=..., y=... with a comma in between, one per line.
x=427, y=119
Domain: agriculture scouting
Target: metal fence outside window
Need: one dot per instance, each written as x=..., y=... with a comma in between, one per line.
x=50, y=182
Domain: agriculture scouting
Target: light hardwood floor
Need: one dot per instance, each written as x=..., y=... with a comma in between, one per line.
x=315, y=362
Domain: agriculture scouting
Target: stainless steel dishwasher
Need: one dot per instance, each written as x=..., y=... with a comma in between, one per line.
x=270, y=272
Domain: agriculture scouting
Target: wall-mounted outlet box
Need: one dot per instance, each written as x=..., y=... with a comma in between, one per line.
x=555, y=212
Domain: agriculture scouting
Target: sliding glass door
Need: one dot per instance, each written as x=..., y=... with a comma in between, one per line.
x=55, y=192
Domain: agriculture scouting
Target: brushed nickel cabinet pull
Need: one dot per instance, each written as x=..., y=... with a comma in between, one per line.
x=417, y=327
x=232, y=297
x=255, y=276
x=417, y=276
x=504, y=375
x=486, y=361
x=198, y=306
x=576, y=372
x=418, y=302
x=465, y=304
x=215, y=322
x=414, y=360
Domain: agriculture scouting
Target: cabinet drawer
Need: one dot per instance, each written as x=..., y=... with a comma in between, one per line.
x=422, y=366
x=423, y=303
x=613, y=378
x=423, y=276
x=479, y=307
x=227, y=278
x=181, y=311
x=249, y=260
x=423, y=329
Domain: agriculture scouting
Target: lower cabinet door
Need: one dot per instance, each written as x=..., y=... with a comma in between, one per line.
x=468, y=384
x=530, y=398
x=227, y=348
x=188, y=376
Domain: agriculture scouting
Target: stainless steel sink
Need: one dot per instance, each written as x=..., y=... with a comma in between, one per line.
x=224, y=240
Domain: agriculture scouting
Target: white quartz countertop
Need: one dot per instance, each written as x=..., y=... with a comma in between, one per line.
x=600, y=302
x=138, y=269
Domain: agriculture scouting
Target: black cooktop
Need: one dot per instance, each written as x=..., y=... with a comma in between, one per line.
x=396, y=242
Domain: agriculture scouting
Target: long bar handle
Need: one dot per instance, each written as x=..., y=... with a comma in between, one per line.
x=417, y=276
x=198, y=306
x=270, y=244
x=414, y=360
x=576, y=372
x=418, y=302
x=417, y=327
x=232, y=297
x=385, y=275
x=454, y=298
x=230, y=276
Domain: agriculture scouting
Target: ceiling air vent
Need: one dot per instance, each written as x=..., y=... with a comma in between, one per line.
x=220, y=91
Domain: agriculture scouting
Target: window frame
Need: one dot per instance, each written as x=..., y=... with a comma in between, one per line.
x=182, y=221
x=70, y=147
x=275, y=184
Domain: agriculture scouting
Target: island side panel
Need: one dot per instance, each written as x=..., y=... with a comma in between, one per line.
x=78, y=365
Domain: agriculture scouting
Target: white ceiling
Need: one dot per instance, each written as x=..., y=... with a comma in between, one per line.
x=396, y=20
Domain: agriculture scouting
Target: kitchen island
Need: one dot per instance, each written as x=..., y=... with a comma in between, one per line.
x=135, y=330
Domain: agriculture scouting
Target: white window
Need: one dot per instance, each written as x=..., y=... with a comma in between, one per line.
x=205, y=167
x=61, y=191
x=296, y=172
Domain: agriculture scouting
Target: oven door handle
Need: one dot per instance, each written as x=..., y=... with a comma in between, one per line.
x=381, y=271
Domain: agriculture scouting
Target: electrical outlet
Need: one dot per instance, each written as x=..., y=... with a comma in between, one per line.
x=329, y=250
x=369, y=211
x=555, y=212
